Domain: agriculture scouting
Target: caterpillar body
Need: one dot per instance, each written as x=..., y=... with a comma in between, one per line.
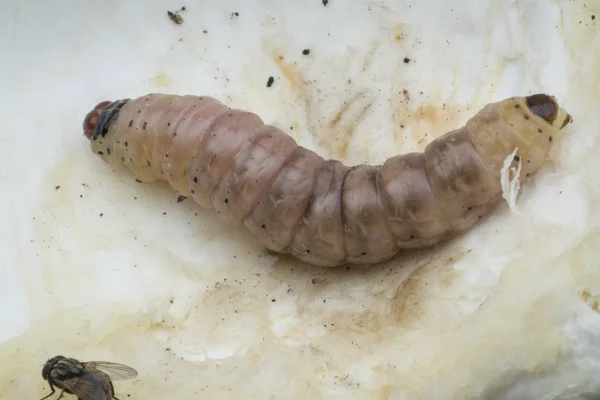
x=319, y=210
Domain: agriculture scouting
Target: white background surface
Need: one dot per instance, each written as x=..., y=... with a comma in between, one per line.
x=95, y=266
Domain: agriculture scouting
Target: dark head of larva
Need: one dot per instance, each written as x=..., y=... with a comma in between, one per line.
x=91, y=119
x=543, y=106
x=96, y=122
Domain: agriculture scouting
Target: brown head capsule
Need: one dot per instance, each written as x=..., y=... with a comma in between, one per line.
x=91, y=119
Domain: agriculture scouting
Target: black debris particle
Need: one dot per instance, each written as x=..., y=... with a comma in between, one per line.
x=57, y=187
x=181, y=198
x=593, y=17
x=235, y=14
x=273, y=300
x=205, y=31
x=164, y=213
x=406, y=60
x=101, y=214
x=175, y=17
x=325, y=2
x=306, y=52
x=270, y=81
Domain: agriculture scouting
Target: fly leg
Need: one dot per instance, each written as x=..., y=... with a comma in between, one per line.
x=51, y=393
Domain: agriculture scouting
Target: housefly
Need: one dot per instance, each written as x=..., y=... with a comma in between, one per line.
x=90, y=380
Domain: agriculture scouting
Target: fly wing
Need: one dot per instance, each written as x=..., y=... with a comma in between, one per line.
x=116, y=372
x=86, y=386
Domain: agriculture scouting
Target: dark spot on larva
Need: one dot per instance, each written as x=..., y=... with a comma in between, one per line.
x=193, y=191
x=181, y=198
x=517, y=106
x=108, y=150
x=540, y=130
x=148, y=163
x=307, y=251
x=166, y=155
x=174, y=134
x=101, y=153
x=226, y=201
x=364, y=254
x=139, y=111
x=412, y=237
x=168, y=124
x=126, y=144
x=144, y=126
x=528, y=175
x=195, y=179
x=469, y=209
x=122, y=159
x=550, y=138
x=517, y=158
x=130, y=159
x=306, y=52
x=526, y=116
x=263, y=226
x=270, y=81
x=406, y=60
x=130, y=123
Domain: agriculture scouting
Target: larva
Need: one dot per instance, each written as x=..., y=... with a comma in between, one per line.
x=321, y=211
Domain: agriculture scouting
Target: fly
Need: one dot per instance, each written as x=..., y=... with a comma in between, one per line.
x=90, y=380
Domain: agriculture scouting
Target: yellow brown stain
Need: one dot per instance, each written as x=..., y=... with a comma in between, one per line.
x=336, y=135
x=423, y=124
x=409, y=304
x=592, y=300
x=162, y=79
x=368, y=58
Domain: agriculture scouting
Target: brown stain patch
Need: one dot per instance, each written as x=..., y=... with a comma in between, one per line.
x=289, y=71
x=415, y=127
x=399, y=32
x=345, y=121
x=336, y=134
x=368, y=58
x=418, y=292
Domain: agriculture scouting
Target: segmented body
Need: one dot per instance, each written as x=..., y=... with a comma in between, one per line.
x=322, y=211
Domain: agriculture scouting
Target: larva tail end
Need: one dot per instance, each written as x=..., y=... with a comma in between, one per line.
x=546, y=107
x=91, y=119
